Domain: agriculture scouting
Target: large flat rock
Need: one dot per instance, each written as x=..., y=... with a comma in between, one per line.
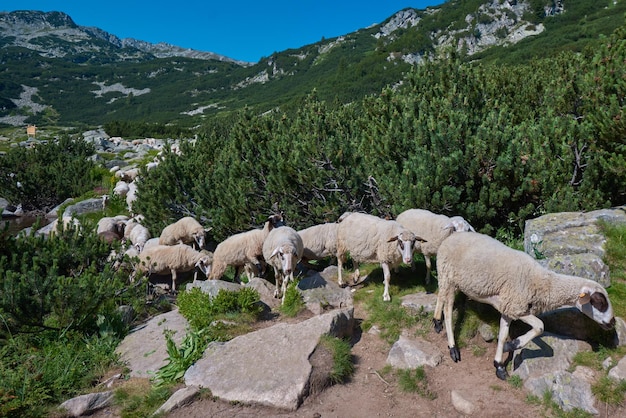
x=145, y=349
x=270, y=366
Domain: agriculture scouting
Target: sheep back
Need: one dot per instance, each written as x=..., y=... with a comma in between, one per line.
x=243, y=248
x=367, y=238
x=434, y=228
x=111, y=224
x=162, y=259
x=319, y=241
x=186, y=230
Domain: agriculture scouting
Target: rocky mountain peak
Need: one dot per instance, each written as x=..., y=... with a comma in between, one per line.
x=30, y=29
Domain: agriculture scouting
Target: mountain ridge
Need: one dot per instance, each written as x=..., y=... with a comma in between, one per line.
x=26, y=25
x=48, y=57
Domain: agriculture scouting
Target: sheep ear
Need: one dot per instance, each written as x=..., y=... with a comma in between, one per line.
x=276, y=250
x=393, y=239
x=208, y=229
x=584, y=297
x=420, y=239
x=449, y=226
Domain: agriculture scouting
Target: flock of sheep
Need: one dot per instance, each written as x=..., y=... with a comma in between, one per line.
x=479, y=266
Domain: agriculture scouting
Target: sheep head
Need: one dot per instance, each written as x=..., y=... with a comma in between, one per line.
x=458, y=224
x=594, y=302
x=204, y=265
x=406, y=241
x=288, y=255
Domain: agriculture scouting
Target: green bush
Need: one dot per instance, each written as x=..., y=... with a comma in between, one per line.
x=39, y=178
x=59, y=322
x=497, y=144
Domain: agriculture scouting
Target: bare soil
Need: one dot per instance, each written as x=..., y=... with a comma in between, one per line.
x=373, y=391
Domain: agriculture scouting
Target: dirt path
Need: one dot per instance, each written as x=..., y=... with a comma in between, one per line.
x=371, y=393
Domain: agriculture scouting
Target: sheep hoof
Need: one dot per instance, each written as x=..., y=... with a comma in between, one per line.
x=455, y=354
x=511, y=346
x=500, y=371
x=438, y=323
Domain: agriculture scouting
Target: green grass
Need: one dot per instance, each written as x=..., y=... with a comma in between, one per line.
x=615, y=258
x=343, y=367
x=414, y=381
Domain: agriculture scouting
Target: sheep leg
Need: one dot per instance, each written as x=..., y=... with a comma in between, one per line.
x=356, y=276
x=437, y=322
x=445, y=299
x=237, y=274
x=455, y=354
x=279, y=283
x=510, y=346
x=173, y=281
x=286, y=280
x=340, y=261
x=498, y=361
x=428, y=267
x=386, y=277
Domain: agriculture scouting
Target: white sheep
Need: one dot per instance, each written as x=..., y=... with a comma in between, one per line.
x=186, y=230
x=515, y=284
x=115, y=224
x=67, y=221
x=121, y=188
x=320, y=241
x=244, y=248
x=137, y=234
x=371, y=239
x=282, y=249
x=123, y=260
x=434, y=228
x=173, y=259
x=128, y=175
x=131, y=196
x=152, y=242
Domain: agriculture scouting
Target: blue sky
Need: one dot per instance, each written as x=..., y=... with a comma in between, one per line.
x=243, y=30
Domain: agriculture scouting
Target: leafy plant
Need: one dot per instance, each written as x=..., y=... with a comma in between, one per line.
x=182, y=357
x=293, y=303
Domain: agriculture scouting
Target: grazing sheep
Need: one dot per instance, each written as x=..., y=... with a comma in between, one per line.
x=282, y=249
x=152, y=242
x=129, y=175
x=243, y=248
x=66, y=221
x=115, y=224
x=121, y=188
x=173, y=259
x=515, y=284
x=371, y=239
x=320, y=241
x=186, y=231
x=137, y=234
x=123, y=260
x=433, y=228
x=131, y=195
x=109, y=237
